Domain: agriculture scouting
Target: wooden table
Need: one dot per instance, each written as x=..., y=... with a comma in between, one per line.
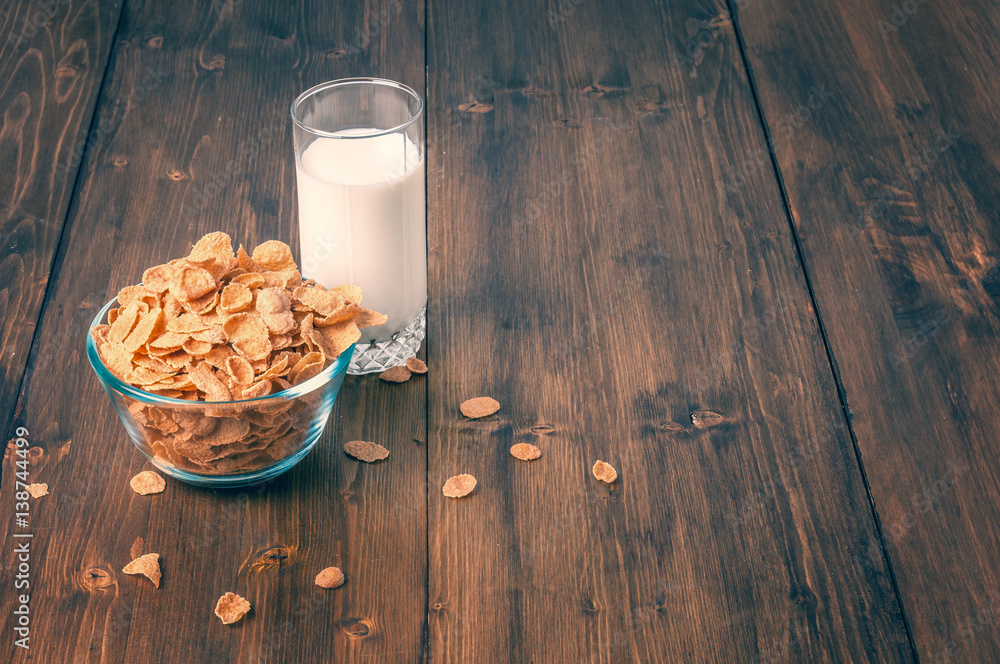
x=745, y=252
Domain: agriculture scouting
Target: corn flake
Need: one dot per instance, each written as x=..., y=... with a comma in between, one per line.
x=147, y=482
x=525, y=451
x=331, y=577
x=365, y=451
x=215, y=326
x=459, y=486
x=416, y=366
x=604, y=472
x=147, y=565
x=231, y=607
x=398, y=374
x=479, y=407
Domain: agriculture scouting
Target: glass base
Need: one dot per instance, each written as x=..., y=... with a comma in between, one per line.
x=377, y=357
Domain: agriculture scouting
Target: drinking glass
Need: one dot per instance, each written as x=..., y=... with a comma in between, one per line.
x=359, y=162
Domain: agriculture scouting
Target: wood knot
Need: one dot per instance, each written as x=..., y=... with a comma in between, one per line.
x=65, y=71
x=703, y=419
x=595, y=90
x=119, y=162
x=35, y=454
x=217, y=61
x=96, y=578
x=272, y=558
x=155, y=42
x=542, y=429
x=437, y=606
x=356, y=627
x=335, y=53
x=589, y=605
x=670, y=426
x=476, y=107
x=569, y=123
x=534, y=91
x=175, y=175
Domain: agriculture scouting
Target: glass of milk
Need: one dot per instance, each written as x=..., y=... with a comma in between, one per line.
x=359, y=161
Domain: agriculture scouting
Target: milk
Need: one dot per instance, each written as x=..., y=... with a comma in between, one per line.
x=362, y=221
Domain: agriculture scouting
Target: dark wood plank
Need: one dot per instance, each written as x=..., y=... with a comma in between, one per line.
x=210, y=149
x=52, y=61
x=587, y=273
x=893, y=186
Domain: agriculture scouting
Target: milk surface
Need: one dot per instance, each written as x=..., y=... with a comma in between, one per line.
x=362, y=221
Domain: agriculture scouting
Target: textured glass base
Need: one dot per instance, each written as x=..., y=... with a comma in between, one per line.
x=377, y=357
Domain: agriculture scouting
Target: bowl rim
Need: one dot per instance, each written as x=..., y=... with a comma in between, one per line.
x=111, y=380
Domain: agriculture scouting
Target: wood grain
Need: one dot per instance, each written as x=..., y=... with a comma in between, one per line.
x=588, y=273
x=893, y=188
x=208, y=147
x=52, y=61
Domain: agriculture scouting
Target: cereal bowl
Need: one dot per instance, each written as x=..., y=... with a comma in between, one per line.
x=223, y=443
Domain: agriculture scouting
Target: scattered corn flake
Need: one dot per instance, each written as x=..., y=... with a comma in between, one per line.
x=459, y=486
x=398, y=374
x=525, y=451
x=604, y=472
x=416, y=366
x=147, y=482
x=38, y=490
x=365, y=451
x=479, y=407
x=331, y=577
x=147, y=565
x=231, y=607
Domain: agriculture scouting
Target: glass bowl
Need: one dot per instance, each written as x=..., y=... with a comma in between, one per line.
x=223, y=443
